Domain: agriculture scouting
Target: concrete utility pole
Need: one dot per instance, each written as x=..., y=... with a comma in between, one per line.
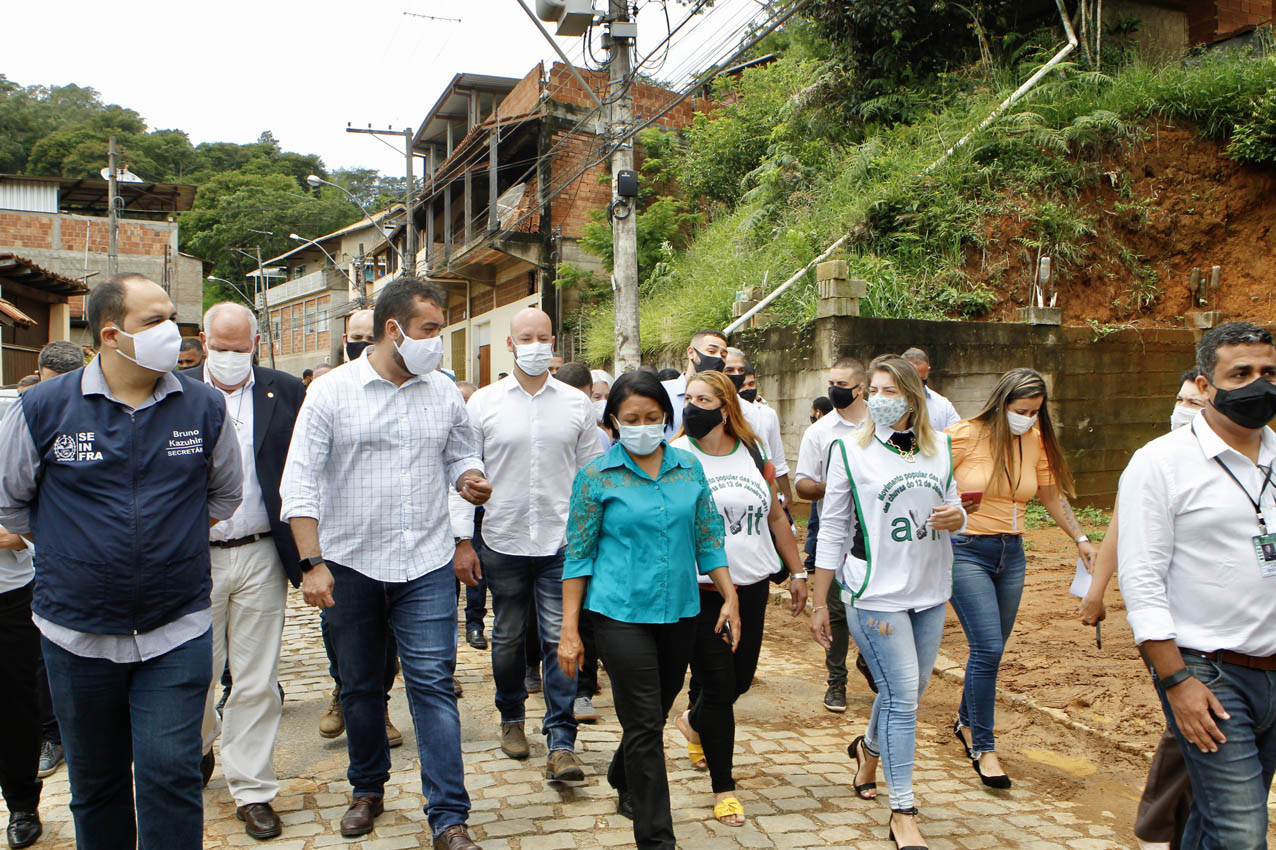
x=409, y=196
x=112, y=197
x=624, y=230
x=264, y=285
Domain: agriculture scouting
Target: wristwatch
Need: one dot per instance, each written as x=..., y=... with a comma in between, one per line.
x=1173, y=679
x=308, y=564
x=797, y=575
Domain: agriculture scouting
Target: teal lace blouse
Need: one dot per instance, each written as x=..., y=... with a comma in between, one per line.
x=641, y=541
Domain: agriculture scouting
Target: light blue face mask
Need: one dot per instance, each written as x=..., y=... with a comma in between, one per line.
x=887, y=410
x=641, y=440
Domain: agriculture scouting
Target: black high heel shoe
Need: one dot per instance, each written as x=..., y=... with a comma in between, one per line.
x=961, y=739
x=1000, y=782
x=891, y=829
x=854, y=752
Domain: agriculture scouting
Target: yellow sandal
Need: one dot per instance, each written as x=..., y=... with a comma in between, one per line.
x=695, y=752
x=729, y=806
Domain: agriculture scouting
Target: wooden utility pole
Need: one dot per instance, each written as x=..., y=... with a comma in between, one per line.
x=409, y=199
x=624, y=228
x=113, y=216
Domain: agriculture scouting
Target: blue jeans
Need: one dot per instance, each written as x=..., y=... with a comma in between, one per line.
x=144, y=718
x=421, y=616
x=1230, y=787
x=988, y=572
x=519, y=583
x=900, y=648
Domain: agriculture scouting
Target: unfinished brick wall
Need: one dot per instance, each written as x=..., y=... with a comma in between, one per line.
x=524, y=97
x=515, y=288
x=648, y=99
x=133, y=237
x=23, y=230
x=1207, y=20
x=570, y=210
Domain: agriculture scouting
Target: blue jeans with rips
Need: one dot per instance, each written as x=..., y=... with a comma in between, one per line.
x=1230, y=787
x=134, y=726
x=988, y=573
x=522, y=586
x=421, y=616
x=900, y=648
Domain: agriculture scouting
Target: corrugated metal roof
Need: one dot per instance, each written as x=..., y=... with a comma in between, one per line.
x=29, y=195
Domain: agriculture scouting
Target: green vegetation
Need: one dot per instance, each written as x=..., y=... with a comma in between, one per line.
x=62, y=131
x=785, y=167
x=1035, y=516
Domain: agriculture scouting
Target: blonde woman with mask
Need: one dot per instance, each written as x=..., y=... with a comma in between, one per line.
x=890, y=505
x=1008, y=454
x=758, y=537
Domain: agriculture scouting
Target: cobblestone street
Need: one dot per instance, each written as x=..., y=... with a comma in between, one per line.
x=794, y=776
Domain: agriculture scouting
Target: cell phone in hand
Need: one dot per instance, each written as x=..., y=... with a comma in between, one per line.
x=726, y=632
x=975, y=497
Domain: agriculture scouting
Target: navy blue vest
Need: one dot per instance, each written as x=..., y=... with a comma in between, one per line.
x=121, y=512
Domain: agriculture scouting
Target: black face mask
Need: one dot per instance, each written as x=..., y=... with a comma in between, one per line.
x=749, y=395
x=355, y=347
x=842, y=397
x=707, y=362
x=697, y=421
x=1251, y=406
x=738, y=380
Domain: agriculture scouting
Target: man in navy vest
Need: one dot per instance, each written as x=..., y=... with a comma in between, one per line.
x=116, y=471
x=253, y=558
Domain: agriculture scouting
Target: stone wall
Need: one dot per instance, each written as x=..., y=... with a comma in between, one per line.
x=1107, y=396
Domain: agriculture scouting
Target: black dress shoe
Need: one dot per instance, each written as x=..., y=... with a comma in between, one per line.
x=474, y=637
x=206, y=765
x=260, y=820
x=625, y=804
x=24, y=829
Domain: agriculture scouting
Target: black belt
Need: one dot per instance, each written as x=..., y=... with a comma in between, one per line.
x=239, y=541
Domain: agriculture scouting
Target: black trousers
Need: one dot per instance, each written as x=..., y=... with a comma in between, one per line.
x=587, y=679
x=20, y=708
x=648, y=664
x=719, y=676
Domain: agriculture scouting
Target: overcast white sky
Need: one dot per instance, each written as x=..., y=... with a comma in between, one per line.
x=226, y=71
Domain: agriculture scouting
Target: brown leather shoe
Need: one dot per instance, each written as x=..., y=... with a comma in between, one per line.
x=514, y=740
x=260, y=820
x=455, y=838
x=563, y=766
x=359, y=817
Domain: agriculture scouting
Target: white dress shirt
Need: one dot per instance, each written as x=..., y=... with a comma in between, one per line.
x=250, y=517
x=813, y=454
x=940, y=411
x=676, y=389
x=765, y=422
x=1187, y=567
x=373, y=463
x=16, y=568
x=531, y=446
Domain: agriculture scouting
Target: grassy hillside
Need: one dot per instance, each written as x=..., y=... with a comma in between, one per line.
x=1027, y=186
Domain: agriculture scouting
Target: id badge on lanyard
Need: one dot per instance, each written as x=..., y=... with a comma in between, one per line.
x=1265, y=541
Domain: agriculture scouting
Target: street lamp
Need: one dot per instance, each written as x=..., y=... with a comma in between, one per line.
x=354, y=286
x=239, y=290
x=316, y=181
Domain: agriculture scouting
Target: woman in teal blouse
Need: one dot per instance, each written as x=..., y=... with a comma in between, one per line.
x=642, y=527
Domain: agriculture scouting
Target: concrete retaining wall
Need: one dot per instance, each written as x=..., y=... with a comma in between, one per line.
x=1108, y=396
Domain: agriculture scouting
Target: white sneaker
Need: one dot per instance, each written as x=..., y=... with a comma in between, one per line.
x=1152, y=845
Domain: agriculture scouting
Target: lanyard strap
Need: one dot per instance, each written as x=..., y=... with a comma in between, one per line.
x=1257, y=503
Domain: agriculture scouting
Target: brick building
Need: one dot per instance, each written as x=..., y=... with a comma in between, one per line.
x=324, y=280
x=33, y=311
x=512, y=175
x=61, y=224
x=1169, y=27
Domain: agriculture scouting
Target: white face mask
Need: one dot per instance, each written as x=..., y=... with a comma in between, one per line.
x=1020, y=424
x=533, y=357
x=420, y=356
x=1182, y=416
x=155, y=348
x=230, y=368
x=599, y=407
x=641, y=440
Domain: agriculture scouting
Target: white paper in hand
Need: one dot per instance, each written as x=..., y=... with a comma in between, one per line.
x=1081, y=582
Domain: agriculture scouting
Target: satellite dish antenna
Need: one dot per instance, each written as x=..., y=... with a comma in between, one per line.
x=507, y=203
x=122, y=175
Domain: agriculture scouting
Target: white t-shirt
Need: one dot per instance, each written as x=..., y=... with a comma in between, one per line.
x=906, y=565
x=743, y=498
x=765, y=422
